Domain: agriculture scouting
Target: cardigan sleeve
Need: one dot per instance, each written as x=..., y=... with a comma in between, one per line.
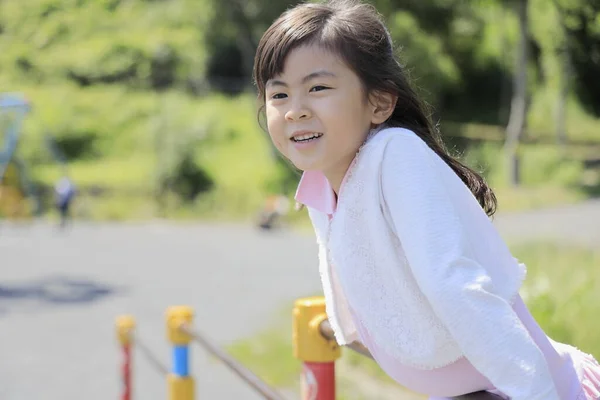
x=426, y=217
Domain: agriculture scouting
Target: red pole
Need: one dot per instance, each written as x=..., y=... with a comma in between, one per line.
x=126, y=371
x=318, y=381
x=125, y=326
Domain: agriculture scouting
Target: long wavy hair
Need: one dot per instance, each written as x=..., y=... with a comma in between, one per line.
x=355, y=32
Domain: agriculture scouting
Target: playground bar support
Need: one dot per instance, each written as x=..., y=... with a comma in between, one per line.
x=125, y=326
x=180, y=383
x=317, y=352
x=315, y=345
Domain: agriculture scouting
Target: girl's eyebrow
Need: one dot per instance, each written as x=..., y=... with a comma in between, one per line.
x=312, y=75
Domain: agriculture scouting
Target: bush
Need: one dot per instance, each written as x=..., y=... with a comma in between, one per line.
x=187, y=179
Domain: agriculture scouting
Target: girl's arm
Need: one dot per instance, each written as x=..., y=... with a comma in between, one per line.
x=356, y=345
x=424, y=215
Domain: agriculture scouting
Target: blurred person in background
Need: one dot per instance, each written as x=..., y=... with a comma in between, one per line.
x=276, y=206
x=64, y=192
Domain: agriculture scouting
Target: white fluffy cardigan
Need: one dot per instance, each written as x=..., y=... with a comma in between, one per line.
x=424, y=269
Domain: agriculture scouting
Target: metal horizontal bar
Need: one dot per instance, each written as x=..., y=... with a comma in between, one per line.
x=244, y=373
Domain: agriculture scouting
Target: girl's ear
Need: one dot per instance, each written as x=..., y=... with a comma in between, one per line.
x=383, y=105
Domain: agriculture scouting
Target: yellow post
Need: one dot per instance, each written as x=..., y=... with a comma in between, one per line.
x=125, y=326
x=180, y=384
x=317, y=353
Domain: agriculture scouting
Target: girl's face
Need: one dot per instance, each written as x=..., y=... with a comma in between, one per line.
x=317, y=112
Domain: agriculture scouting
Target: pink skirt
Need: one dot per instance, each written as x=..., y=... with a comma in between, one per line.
x=589, y=377
x=588, y=371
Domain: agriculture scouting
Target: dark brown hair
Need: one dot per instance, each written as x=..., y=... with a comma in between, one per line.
x=355, y=32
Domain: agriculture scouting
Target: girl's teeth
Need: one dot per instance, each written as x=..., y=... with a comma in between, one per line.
x=307, y=136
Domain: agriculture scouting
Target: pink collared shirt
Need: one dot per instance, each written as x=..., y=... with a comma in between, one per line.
x=568, y=366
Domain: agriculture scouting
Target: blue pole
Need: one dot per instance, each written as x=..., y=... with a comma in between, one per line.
x=181, y=361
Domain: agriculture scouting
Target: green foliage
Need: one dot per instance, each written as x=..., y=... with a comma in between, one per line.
x=579, y=19
x=232, y=38
x=437, y=70
x=111, y=119
x=137, y=43
x=118, y=82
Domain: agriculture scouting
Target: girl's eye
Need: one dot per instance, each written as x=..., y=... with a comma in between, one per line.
x=278, y=96
x=318, y=88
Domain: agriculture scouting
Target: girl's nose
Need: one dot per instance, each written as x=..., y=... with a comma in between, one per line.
x=296, y=113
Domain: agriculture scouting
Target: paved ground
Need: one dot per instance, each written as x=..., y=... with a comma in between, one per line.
x=577, y=224
x=60, y=293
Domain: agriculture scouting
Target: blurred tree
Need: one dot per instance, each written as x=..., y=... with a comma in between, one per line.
x=582, y=25
x=139, y=43
x=453, y=50
x=233, y=37
x=519, y=102
x=431, y=67
x=563, y=51
x=548, y=30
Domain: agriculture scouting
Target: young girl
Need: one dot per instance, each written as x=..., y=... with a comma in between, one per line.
x=410, y=263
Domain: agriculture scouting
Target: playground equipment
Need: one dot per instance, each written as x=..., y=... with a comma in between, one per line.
x=313, y=340
x=14, y=185
x=14, y=108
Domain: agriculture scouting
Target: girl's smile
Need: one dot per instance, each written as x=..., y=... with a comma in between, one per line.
x=305, y=139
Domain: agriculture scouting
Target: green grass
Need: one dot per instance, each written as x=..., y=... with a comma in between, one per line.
x=562, y=290
x=132, y=173
x=115, y=208
x=269, y=355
